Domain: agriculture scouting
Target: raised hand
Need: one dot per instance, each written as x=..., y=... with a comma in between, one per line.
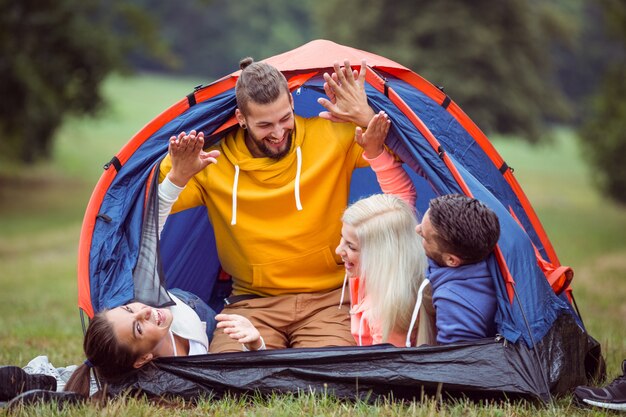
x=240, y=329
x=187, y=157
x=347, y=100
x=373, y=139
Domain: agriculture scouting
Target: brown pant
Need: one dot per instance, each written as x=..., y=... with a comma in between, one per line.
x=293, y=320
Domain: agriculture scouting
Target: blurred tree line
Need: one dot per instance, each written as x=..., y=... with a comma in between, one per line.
x=54, y=56
x=515, y=66
x=209, y=37
x=604, y=130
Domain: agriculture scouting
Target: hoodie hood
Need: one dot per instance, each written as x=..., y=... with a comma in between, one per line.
x=266, y=171
x=439, y=275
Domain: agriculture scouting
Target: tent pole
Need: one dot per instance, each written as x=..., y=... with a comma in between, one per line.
x=576, y=307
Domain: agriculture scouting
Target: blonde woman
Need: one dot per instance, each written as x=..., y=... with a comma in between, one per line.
x=383, y=256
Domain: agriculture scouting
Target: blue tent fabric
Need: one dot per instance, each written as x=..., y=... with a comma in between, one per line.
x=192, y=230
x=203, y=266
x=458, y=143
x=189, y=258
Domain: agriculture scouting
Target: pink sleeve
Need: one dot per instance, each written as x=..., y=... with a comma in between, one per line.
x=392, y=178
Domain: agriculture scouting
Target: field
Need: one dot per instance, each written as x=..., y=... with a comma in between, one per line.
x=41, y=212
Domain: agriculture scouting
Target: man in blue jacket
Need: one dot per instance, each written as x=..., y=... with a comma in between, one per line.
x=458, y=235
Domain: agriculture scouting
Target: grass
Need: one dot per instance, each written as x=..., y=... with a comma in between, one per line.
x=41, y=213
x=587, y=231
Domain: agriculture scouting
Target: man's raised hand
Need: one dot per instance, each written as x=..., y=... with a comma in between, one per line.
x=347, y=100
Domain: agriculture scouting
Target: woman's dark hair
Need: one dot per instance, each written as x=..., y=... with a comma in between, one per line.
x=109, y=358
x=258, y=82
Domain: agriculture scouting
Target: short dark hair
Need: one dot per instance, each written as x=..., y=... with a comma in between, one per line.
x=259, y=82
x=464, y=226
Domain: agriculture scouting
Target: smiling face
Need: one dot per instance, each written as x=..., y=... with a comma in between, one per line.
x=140, y=327
x=269, y=127
x=350, y=251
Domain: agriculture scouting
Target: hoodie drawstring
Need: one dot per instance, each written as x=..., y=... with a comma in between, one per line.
x=418, y=304
x=297, y=182
x=233, y=219
x=343, y=289
x=361, y=329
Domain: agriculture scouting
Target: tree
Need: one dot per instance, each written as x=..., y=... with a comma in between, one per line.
x=604, y=134
x=584, y=58
x=210, y=38
x=55, y=55
x=492, y=57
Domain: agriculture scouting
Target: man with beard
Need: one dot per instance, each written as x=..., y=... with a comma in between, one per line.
x=458, y=234
x=275, y=199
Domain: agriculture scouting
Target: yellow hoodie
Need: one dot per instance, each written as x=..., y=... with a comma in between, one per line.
x=277, y=223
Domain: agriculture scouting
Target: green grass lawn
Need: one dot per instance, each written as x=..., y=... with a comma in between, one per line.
x=41, y=213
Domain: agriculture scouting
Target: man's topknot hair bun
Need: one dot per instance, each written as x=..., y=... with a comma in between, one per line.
x=258, y=82
x=245, y=62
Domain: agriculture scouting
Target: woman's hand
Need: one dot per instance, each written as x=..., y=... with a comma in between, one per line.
x=373, y=139
x=188, y=158
x=240, y=329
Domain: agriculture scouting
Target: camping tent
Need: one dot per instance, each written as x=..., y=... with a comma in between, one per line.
x=542, y=348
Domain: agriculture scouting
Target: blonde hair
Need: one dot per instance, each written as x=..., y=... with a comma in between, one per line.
x=392, y=259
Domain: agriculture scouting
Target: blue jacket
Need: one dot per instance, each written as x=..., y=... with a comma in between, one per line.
x=465, y=300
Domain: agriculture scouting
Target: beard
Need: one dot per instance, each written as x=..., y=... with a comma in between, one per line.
x=267, y=150
x=438, y=258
